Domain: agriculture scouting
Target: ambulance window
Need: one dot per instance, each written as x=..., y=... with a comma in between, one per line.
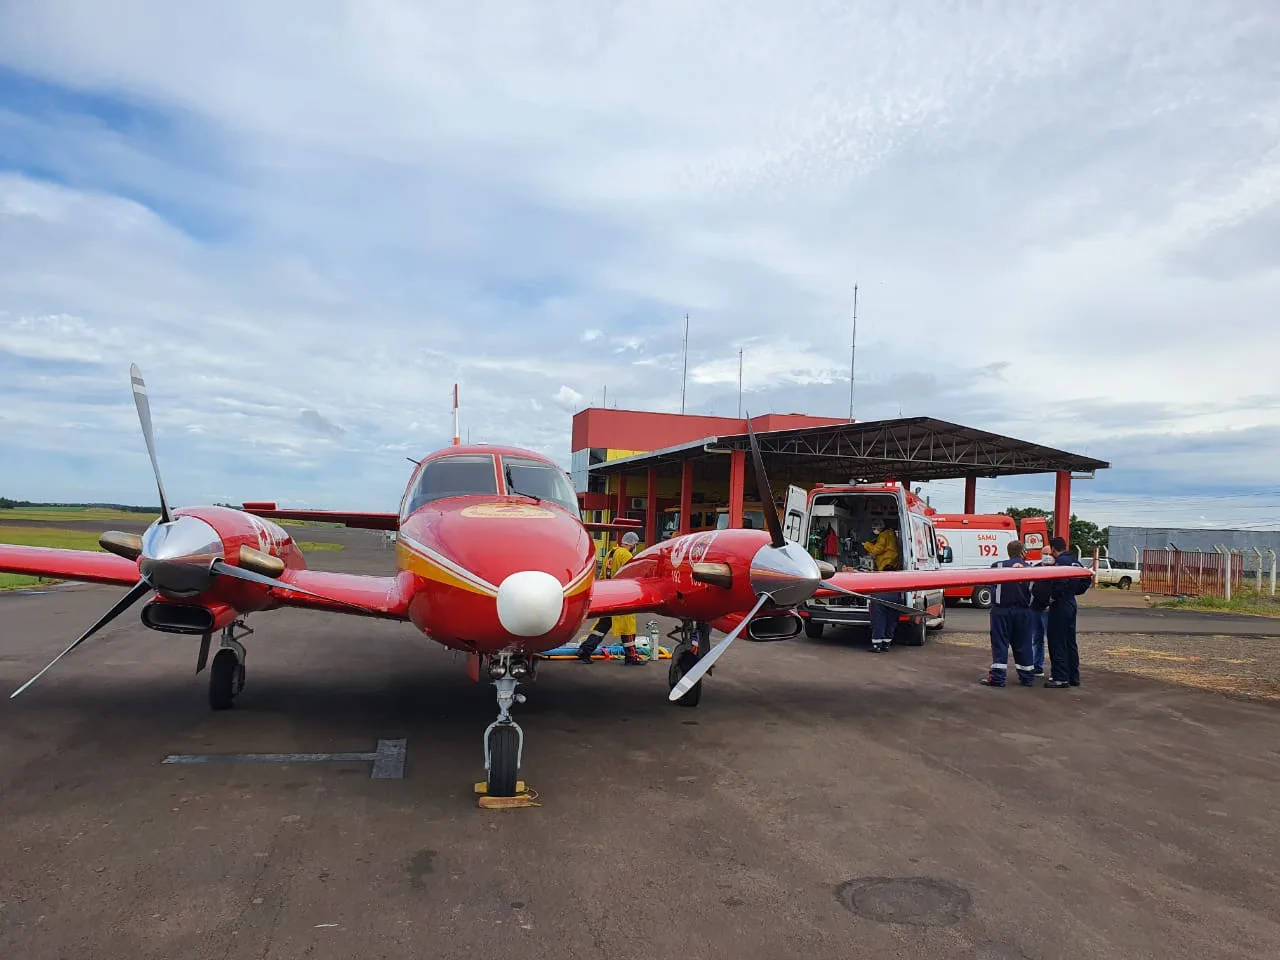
x=459, y=476
x=539, y=479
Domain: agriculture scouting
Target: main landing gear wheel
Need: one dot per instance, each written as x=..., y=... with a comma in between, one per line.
x=694, y=638
x=226, y=679
x=226, y=673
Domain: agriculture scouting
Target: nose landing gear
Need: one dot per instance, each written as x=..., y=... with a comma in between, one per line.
x=503, y=739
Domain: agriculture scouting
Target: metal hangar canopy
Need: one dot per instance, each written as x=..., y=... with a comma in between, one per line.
x=913, y=448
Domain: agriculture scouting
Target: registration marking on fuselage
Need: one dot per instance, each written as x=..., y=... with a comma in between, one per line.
x=387, y=758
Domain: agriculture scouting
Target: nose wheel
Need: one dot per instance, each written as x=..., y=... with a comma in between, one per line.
x=503, y=739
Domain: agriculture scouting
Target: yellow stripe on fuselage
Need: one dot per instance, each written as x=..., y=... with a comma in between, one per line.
x=409, y=559
x=419, y=563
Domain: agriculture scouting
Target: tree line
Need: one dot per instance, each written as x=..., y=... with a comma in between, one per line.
x=1085, y=535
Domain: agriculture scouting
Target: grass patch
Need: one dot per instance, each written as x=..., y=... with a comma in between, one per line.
x=19, y=581
x=1246, y=601
x=63, y=514
x=50, y=537
x=311, y=546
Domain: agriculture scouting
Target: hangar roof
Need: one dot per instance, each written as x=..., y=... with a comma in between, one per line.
x=914, y=448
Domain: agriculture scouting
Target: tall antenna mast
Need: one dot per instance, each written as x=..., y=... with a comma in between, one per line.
x=456, y=438
x=853, y=349
x=739, y=383
x=684, y=373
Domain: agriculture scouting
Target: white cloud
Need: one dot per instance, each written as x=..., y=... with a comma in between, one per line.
x=527, y=198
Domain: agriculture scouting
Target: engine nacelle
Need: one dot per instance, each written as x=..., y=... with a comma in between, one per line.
x=781, y=626
x=186, y=618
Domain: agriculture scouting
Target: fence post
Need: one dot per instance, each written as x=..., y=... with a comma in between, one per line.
x=1226, y=568
x=1258, y=572
x=1273, y=573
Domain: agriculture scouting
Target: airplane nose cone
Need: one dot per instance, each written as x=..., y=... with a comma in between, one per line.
x=529, y=603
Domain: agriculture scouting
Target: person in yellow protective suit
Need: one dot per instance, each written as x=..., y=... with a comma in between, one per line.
x=624, y=627
x=884, y=550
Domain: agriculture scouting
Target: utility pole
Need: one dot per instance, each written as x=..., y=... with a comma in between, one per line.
x=456, y=438
x=684, y=373
x=739, y=383
x=853, y=349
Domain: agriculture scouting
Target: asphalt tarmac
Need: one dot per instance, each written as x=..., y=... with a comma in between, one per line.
x=821, y=802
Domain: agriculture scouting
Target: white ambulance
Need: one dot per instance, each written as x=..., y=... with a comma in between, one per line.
x=968, y=540
x=839, y=517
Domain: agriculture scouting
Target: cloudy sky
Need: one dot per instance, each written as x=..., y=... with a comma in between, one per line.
x=306, y=220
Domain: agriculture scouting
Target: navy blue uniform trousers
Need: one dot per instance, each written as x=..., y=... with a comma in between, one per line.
x=1011, y=629
x=1064, y=652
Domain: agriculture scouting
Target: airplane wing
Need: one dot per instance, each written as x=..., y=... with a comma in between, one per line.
x=365, y=521
x=386, y=598
x=634, y=595
x=90, y=566
x=891, y=581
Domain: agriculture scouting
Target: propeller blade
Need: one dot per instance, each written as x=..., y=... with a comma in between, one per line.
x=240, y=573
x=767, y=506
x=140, y=589
x=144, y=415
x=862, y=596
x=712, y=655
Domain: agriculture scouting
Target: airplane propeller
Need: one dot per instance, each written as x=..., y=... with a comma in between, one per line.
x=781, y=572
x=180, y=555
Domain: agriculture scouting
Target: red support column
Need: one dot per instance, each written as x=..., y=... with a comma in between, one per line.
x=1062, y=506
x=686, y=495
x=621, y=506
x=651, y=509
x=737, y=487
x=970, y=494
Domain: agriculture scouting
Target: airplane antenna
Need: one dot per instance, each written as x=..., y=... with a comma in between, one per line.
x=456, y=438
x=684, y=374
x=853, y=349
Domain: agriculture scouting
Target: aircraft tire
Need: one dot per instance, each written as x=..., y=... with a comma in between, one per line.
x=226, y=675
x=504, y=756
x=682, y=661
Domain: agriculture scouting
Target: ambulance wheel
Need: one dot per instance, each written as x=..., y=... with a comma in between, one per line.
x=982, y=598
x=682, y=661
x=813, y=630
x=504, y=757
x=912, y=634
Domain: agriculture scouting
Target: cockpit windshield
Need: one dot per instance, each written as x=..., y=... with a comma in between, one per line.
x=535, y=478
x=457, y=476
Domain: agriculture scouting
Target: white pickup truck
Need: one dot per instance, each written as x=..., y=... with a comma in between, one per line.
x=1110, y=575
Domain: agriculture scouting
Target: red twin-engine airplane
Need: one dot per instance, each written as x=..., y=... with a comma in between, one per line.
x=493, y=559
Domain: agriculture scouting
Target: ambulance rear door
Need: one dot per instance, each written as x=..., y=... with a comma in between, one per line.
x=795, y=519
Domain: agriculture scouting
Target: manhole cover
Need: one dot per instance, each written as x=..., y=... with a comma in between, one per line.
x=921, y=901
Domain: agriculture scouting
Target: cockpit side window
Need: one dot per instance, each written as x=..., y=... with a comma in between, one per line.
x=457, y=476
x=538, y=479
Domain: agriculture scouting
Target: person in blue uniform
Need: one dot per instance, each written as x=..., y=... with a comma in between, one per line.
x=1059, y=598
x=1040, y=619
x=1011, y=625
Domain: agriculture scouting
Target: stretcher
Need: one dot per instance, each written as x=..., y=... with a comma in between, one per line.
x=612, y=651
